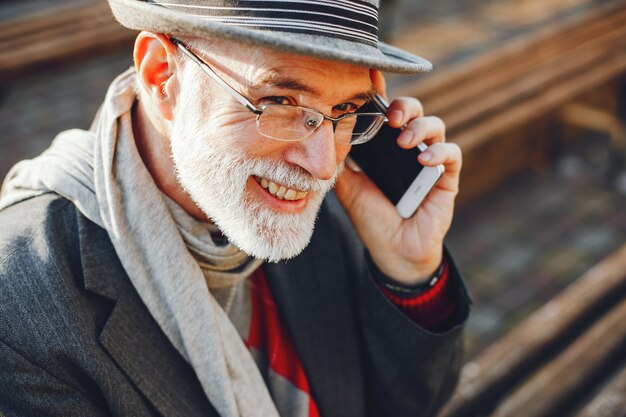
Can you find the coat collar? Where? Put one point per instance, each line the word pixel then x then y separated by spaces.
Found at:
pixel 132 337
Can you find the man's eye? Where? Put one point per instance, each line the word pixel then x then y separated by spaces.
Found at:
pixel 276 100
pixel 346 107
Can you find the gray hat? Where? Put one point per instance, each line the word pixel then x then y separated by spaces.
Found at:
pixel 343 30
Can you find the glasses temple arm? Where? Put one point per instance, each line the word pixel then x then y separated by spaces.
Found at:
pixel 209 71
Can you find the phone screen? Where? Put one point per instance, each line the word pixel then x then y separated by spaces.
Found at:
pixel 390 167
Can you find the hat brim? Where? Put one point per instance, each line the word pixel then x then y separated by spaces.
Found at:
pixel 140 15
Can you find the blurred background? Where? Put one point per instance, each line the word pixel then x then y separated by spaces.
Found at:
pixel 534 93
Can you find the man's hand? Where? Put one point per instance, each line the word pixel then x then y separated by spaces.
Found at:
pixel 407 250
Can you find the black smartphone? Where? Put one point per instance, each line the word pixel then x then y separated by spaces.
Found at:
pixel 396 171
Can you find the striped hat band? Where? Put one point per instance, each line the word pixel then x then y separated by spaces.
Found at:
pixel 351 20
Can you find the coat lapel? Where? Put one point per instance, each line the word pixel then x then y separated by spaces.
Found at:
pixel 132 337
pixel 313 297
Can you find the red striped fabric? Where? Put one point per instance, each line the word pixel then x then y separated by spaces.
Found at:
pixel 432 310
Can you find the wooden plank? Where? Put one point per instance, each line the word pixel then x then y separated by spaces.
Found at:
pixel 483 145
pixel 56 48
pixel 60 33
pixel 53 20
pixel 70 30
pixel 518 49
pixel 53 16
pixel 492 165
pixel 488 23
pixel 485 379
pixel 549 392
pixel 610 401
pixel 554 96
pixel 511 69
pixel 494 99
pixel 518 78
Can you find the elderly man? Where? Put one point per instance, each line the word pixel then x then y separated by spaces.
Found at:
pixel 165 262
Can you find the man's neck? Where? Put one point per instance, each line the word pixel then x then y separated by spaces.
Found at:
pixel 154 149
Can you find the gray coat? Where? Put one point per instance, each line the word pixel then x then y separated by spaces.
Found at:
pixel 76 339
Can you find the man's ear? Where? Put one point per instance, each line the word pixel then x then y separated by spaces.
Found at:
pixel 378 80
pixel 156 70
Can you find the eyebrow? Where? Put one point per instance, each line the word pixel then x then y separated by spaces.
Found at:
pixel 367 95
pixel 285 82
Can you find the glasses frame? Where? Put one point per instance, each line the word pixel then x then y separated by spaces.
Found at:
pixel 258 111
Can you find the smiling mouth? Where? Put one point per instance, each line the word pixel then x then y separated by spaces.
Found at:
pixel 280 191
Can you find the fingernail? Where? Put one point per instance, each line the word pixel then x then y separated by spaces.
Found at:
pixel 405 137
pixel 395 116
pixel 425 156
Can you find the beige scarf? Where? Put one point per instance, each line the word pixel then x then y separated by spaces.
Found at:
pixel 223 265
pixel 102 173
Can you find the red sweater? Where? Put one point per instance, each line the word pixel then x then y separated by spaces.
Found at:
pixel 276 354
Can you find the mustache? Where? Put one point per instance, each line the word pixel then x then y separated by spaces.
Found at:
pixel 293 176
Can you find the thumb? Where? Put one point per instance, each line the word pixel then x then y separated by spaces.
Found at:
pixel 359 195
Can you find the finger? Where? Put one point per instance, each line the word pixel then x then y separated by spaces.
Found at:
pixel 378 80
pixel 449 155
pixel 429 129
pixel 362 199
pixel 402 110
pixel 353 184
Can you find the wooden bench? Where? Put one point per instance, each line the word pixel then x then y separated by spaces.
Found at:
pixel 551 361
pixel 496 104
pixel 59 33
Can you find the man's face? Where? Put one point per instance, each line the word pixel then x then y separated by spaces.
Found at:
pixel 263 194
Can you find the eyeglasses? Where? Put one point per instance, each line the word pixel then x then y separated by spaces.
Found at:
pixel 294 123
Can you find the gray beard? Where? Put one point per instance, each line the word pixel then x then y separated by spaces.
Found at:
pixel 215 175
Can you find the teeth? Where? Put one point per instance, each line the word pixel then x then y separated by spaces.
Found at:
pixel 280 191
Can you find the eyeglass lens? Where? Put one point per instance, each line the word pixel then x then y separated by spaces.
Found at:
pixel 290 123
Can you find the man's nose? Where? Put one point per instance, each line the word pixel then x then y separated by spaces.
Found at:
pixel 320 152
